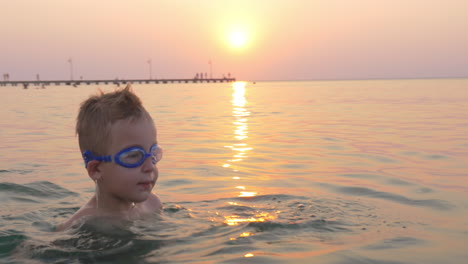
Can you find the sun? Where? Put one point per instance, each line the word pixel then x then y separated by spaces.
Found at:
pixel 238 39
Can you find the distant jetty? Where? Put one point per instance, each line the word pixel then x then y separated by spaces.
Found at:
pixel 75 83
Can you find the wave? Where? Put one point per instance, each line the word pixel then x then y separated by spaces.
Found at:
pixel 40 189
pixel 368 192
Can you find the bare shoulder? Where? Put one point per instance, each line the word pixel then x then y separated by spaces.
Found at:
pixel 83 212
pixel 153 204
pixel 88 209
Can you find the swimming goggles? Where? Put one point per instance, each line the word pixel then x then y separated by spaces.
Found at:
pixel 131 157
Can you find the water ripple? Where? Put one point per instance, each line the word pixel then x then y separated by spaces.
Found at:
pixel 41 189
pixel 362 191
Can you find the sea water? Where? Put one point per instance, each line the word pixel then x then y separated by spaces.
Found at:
pixel 369 171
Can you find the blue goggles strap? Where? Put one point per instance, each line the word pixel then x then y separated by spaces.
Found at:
pixel 88 156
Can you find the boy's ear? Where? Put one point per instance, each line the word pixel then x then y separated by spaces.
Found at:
pixel 94 172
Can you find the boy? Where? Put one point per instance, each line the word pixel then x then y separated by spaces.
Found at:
pixel 117 138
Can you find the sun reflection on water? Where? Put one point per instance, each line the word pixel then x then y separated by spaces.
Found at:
pixel 238 97
pixel 240 133
pixel 247 194
pixel 246 234
pixel 259 217
pixel 240 150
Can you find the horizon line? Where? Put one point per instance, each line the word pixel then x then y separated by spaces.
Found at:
pixel 353 79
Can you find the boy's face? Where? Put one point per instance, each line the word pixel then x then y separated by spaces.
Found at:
pixel 129 184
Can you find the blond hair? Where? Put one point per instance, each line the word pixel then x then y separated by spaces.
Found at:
pixel 99 112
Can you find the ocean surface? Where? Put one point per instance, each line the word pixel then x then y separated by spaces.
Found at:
pixel 270 172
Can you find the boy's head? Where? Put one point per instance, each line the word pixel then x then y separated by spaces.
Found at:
pixel 98 113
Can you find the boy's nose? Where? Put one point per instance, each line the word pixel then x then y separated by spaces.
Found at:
pixel 148 165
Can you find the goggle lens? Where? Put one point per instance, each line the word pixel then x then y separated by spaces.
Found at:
pixel 156 153
pixel 132 157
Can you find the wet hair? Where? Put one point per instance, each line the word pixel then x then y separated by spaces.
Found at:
pixel 99 112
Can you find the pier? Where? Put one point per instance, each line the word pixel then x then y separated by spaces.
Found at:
pixel 75 83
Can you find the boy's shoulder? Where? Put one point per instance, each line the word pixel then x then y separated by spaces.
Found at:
pixel 152 204
pixel 74 219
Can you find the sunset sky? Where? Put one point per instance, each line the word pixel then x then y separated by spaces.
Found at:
pixel 251 39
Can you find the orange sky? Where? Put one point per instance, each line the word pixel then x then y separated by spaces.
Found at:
pixel 284 39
